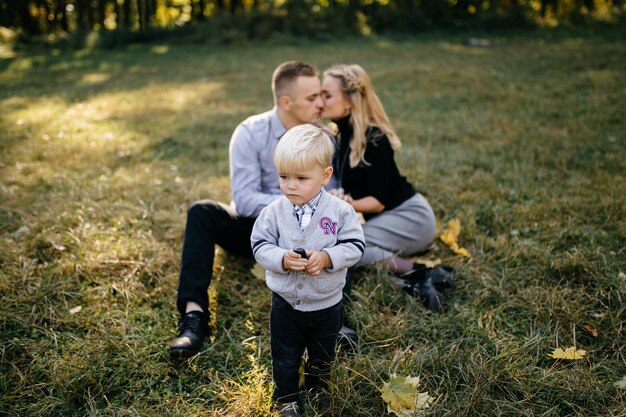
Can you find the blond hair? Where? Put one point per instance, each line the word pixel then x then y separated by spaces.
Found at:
pixel 302 146
pixel 366 110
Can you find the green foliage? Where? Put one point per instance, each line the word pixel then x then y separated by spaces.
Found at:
pixel 102 151
pixel 82 23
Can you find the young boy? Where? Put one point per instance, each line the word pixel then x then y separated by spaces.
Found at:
pixel 306 285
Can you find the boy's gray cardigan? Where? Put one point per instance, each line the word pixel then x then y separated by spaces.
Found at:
pixel 333 228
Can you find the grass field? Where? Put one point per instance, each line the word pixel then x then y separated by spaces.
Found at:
pixel 101 152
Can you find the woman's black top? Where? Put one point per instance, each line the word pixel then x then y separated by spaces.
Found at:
pixel 380 178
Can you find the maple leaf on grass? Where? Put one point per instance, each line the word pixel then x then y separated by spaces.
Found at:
pixel 402 396
pixel 450 237
pixel 570 354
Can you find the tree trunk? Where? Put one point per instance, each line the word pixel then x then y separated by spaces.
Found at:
pixel 60 17
pixel 200 13
pixel 150 12
pixel 92 14
pixel 26 21
pixel 590 4
pixel 118 15
pixel 126 14
pixel 82 18
pixel 101 11
pixel 141 13
pixel 44 20
pixel 8 16
pixel 235 6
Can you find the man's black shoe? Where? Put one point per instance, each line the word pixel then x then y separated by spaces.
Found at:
pixel 348 339
pixel 193 329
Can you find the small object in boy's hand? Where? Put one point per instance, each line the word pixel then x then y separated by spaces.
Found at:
pixel 301 252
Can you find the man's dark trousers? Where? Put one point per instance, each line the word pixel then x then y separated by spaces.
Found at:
pixel 209 223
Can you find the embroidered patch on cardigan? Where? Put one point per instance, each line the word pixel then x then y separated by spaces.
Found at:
pixel 328 226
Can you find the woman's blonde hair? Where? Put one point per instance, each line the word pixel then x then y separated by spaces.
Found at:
pixel 366 110
pixel 302 146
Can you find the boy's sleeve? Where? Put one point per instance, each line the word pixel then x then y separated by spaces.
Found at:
pixel 264 241
pixel 350 241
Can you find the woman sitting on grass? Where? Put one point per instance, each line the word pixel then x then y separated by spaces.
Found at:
pixel 399 220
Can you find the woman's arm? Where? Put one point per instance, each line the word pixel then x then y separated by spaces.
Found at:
pixel 367 204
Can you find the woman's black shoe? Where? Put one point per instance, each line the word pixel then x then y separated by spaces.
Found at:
pixel 442 276
pixel 425 289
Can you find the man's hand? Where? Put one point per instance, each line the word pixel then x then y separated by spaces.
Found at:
pixel 293 261
pixel 317 262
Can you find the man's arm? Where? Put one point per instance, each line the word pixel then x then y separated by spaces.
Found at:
pixel 246 174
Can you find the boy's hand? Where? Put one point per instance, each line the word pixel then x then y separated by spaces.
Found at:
pixel 293 261
pixel 317 262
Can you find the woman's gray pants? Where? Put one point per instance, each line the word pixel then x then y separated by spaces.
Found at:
pixel 402 231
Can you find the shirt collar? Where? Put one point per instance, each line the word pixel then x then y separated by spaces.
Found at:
pixel 312 203
pixel 276 125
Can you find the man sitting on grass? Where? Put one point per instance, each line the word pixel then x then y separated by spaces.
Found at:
pixel 254 183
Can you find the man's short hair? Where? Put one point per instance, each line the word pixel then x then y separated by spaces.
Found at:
pixel 286 73
pixel 302 146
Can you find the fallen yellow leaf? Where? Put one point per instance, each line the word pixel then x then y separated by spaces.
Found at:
pixel 621 383
pixel 428 263
pixel 450 237
pixel 402 396
pixel 571 353
pixel 461 251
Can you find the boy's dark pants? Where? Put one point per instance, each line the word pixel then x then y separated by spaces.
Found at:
pixel 293 331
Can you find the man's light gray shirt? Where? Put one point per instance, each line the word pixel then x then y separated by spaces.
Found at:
pixel 253 176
